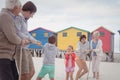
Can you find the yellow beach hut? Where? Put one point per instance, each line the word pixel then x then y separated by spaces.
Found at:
pixel 70 36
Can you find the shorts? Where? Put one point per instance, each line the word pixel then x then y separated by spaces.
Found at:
pixel 27 62
pixel 47 69
pixel 69 69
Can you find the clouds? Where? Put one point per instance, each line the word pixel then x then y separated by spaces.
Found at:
pixel 62 13
pixel 81 7
pixel 80 11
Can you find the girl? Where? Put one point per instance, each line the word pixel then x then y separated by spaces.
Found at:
pixel 83 50
pixel 69 62
pixel 96 49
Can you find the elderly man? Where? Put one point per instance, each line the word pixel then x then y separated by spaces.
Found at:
pixel 9 39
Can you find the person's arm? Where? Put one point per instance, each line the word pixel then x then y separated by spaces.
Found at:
pixel 87 48
pixel 20 28
pixel 66 56
pixel 8 28
pixel 99 47
pixel 32 39
pixel 20 34
pixel 74 56
pixel 78 50
pixel 78 46
pixel 23 32
pixel 43 49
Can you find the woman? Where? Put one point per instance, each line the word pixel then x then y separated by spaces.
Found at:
pixel 96 49
pixel 82 51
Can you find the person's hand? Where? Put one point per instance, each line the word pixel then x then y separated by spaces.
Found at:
pixel 91 50
pixel 86 51
pixel 70 53
pixel 76 58
pixel 38 43
pixel 24 42
pixel 33 41
pixel 27 42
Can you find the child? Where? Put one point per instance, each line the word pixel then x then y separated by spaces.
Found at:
pixel 49 50
pixel 70 62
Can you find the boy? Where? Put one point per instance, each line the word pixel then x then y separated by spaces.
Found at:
pixel 49 50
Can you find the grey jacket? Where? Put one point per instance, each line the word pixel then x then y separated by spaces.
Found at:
pixel 50 51
pixel 8 36
pixel 82 50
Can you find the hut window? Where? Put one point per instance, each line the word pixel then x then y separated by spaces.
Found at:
pixel 34 34
pixel 45 34
pixel 64 34
pixel 79 34
pixel 102 33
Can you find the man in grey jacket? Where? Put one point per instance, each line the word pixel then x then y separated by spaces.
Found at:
pixel 9 39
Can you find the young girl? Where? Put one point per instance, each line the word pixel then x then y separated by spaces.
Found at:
pixel 70 62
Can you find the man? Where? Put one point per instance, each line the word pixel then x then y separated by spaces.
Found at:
pixel 27 68
pixel 9 39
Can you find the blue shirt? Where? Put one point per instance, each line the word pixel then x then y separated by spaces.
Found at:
pixel 94 47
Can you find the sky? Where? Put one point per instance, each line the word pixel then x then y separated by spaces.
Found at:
pixel 57 15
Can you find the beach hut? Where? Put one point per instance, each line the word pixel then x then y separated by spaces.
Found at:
pixel 70 36
pixel 107 38
pixel 40 34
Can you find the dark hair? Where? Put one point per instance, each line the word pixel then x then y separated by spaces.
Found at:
pixel 82 36
pixel 29 6
pixel 52 39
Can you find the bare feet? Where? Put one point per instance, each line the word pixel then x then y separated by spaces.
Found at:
pixel 97 79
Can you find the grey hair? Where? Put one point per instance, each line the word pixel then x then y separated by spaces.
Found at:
pixel 10 4
pixel 96 33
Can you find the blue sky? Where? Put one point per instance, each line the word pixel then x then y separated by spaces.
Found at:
pixel 57 15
